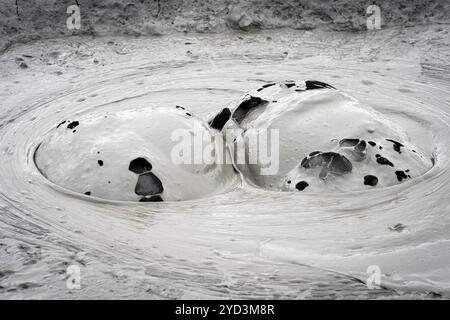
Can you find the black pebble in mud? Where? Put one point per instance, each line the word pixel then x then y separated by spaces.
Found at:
pixel 100 163
pixel 188 114
pixel 300 186
pixel 383 161
pixel 151 199
pixel 397 145
pixel 220 119
pixel 73 125
pixel 139 165
pixel 370 180
pixel 148 184
pixel 312 84
pixel 289 84
pixel 250 103
pixel 180 107
pixel 87 193
pixel 400 175
pixel 373 144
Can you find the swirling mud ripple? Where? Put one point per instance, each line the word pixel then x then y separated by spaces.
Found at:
pixel 249 242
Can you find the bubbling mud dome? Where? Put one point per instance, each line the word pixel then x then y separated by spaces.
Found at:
pixel 128 155
pixel 328 141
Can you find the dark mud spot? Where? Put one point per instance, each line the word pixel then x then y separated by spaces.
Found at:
pixel 73 125
pixel 371 143
pixel 139 166
pixel 34 158
pixel 188 114
pixel 87 193
pixel 300 186
pixel 220 119
pixel 401 175
pixel 28 285
pixel 289 84
pixel 100 163
pixel 247 105
pixel 383 161
pixel 370 180
pixel 312 84
pixel 148 184
pixel 180 107
pixel 358 147
pixel 266 86
pixel 330 162
pixel 359 144
pixel 397 145
pixel 151 199
pixel 348 142
pixel 339 164
pixel 399 227
pixel 59 125
pixel 305 162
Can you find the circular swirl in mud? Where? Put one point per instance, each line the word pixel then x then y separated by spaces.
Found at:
pixel 249 242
